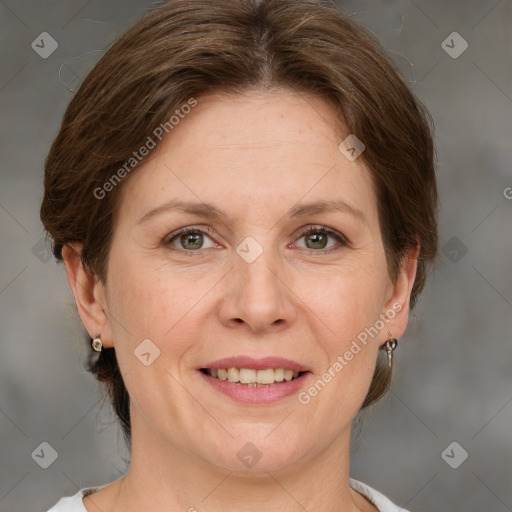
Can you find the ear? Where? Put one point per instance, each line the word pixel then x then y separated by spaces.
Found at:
pixel 397 305
pixel 89 294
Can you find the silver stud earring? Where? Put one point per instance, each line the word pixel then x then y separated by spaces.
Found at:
pixel 390 347
pixel 97 344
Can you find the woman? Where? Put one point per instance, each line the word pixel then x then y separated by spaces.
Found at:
pixel 243 194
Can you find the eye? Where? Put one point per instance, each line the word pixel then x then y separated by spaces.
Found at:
pixel 189 239
pixel 316 238
pixel 192 239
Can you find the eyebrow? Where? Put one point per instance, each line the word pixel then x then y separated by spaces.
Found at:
pixel 299 210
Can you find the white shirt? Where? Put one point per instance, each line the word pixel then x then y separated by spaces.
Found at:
pixel 75 503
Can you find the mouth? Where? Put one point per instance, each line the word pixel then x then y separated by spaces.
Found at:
pixel 255 381
pixel 251 377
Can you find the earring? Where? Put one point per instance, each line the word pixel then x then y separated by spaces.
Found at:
pixel 390 347
pixel 97 344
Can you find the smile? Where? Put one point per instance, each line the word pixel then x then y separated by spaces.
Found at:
pixel 251 377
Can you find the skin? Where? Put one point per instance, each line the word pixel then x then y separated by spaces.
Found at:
pixel 253 156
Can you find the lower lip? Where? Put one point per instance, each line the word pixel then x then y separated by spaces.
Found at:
pixel 254 394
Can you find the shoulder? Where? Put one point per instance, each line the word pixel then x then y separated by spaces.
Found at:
pixel 74 503
pixel 378 499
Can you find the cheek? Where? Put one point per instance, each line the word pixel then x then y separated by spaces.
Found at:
pixel 347 309
pixel 156 302
pixel 347 301
pixel 144 296
pixel 345 373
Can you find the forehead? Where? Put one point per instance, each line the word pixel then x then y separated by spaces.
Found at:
pixel 263 150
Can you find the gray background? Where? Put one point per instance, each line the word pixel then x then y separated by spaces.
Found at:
pixel 453 369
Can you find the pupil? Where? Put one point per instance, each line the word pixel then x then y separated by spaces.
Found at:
pixel 195 240
pixel 318 240
pixel 318 237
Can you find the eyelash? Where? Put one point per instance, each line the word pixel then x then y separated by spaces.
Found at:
pixel 313 230
pixel 309 231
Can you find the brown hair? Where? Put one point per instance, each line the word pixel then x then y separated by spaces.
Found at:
pixel 188 48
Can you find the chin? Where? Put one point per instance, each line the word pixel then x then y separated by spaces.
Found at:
pixel 246 455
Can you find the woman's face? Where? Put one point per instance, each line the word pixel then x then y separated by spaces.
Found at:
pixel 246 287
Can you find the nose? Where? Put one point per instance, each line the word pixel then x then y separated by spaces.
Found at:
pixel 257 297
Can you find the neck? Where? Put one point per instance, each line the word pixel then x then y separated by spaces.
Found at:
pixel 161 477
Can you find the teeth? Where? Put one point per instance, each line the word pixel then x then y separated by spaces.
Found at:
pixel 251 377
pixel 233 375
pixel 247 376
pixel 279 374
pixel 265 376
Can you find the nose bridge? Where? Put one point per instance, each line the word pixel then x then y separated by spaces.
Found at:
pixel 258 267
pixel 261 297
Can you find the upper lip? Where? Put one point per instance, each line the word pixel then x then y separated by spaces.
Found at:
pixel 256 364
